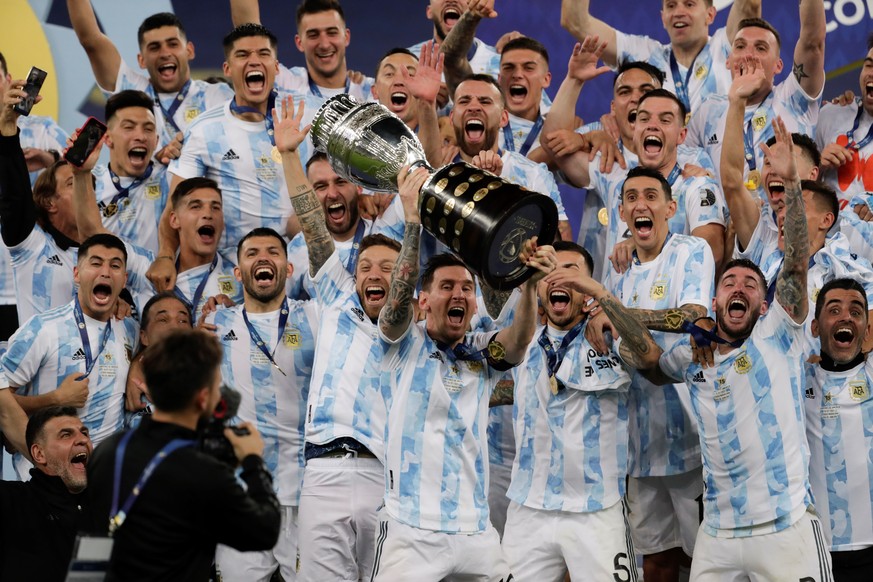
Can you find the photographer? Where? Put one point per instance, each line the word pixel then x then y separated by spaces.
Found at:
pixel 191 502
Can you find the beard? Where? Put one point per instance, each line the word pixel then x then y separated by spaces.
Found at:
pixel 472 150
pixel 745 331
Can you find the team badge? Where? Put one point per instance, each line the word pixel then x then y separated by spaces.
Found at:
pixel 191 114
pixel 859 391
pixel 292 339
pixel 759 121
pixel 153 191
pixel 743 363
pixel 701 72
pixel 658 290
pixel 225 285
pixel 813 296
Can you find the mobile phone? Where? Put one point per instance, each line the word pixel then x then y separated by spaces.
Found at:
pixel 89 136
pixel 34 82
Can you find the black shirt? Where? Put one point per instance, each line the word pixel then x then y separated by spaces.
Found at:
pixel 191 503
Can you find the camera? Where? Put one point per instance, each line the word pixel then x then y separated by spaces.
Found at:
pixel 211 439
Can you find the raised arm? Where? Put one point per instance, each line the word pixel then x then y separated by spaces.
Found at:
pixel 577 20
pixel 162 273
pixel 808 65
pixel 242 11
pixel 425 87
pixel 17 210
pixel 791 289
pixel 88 218
pixel 459 41
pixel 740 10
pixel 516 337
pixel 396 315
pixel 744 210
pixel 307 207
pixel 102 53
pixel 13 421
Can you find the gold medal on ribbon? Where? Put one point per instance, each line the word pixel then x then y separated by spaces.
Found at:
pixel 276 155
pixel 553 385
pixel 603 216
pixel 753 181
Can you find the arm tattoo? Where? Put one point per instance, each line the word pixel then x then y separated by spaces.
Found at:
pixel 797 69
pixel 637 342
pixel 791 289
pixel 494 299
pixel 319 242
pixel 669 320
pixel 502 395
pixel 398 309
pixel 304 203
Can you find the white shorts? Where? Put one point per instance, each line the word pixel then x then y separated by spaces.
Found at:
pixel 798 552
pixel 545 545
pixel 498 483
pixel 665 512
pixel 406 553
pixel 338 505
pixel 260 566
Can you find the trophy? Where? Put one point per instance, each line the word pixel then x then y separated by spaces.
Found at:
pixel 481 217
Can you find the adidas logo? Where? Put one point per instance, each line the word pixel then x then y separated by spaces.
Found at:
pixel 230 155
pixel 229 337
pixel 713 140
pixel 358 312
pixel 436 356
pixel 54 260
pixel 698 377
pixel 79 355
pixel 810 393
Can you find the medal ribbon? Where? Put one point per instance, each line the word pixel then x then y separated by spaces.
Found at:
pixel 262 345
pixel 704 336
pixel 674 175
pixel 125 192
pixel 463 351
pixel 177 102
pixel 509 139
pixel 352 263
pixel 850 135
pixel 636 259
pixel 268 117
pixel 555 358
pixel 86 343
pixel 749 136
pixel 313 88
pixel 116 517
pixel 198 293
pixel 683 84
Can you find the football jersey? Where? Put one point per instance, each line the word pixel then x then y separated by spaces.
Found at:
pixel 707 75
pixel 43 272
pixel 200 96
pixel 839 414
pixel 344 398
pixel 571 447
pixel 436 442
pixel 518 133
pixel 36 131
pixel 219 279
pixel 238 155
pixel 663 435
pixel 533 176
pixel 835 123
pixel 749 410
pixel 273 400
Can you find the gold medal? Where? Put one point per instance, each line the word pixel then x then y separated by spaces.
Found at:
pixel 603 216
pixel 276 155
pixel 553 385
pixel 753 181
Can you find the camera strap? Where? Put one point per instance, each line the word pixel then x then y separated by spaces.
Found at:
pixel 117 517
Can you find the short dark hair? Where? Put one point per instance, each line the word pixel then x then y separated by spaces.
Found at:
pixel 3 64
pixel 318 156
pixel 806 144
pixel 567 245
pixel 102 239
pixel 745 264
pixel 146 315
pixel 259 232
pixel 37 421
pixel 656 73
pixel 244 31
pixel 665 94
pixel 378 240
pixel 159 20
pixel 188 185
pixel 823 196
pixel 394 51
pixel 761 23
pixel 125 99
pixel 484 78
pixel 641 172
pixel 526 43
pixel 845 283
pixel 179 366
pixel 316 6
pixel 438 262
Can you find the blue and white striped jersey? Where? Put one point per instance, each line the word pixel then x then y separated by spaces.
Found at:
pixel 663 435
pixel 201 96
pixel 571 447
pixel 533 176
pixel 220 280
pixel 839 414
pixel 135 217
pixel 238 155
pixel 834 123
pixel 344 398
pixel 749 410
pixel 47 348
pixel 43 272
pixel 273 402
pixel 709 74
pixel 436 442
pixel 41 133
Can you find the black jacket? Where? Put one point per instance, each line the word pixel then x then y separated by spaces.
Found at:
pixel 38 520
pixel 191 503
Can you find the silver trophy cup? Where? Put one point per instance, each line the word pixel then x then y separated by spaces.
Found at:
pixel 481 217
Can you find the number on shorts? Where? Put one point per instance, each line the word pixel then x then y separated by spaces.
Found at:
pixel 622 571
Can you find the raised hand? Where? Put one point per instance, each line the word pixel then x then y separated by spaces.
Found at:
pixel 748 78
pixel 425 83
pixel 583 61
pixel 286 129
pixel 781 154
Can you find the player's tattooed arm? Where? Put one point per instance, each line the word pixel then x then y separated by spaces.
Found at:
pixel 309 212
pixel 458 43
pixel 397 313
pixel 797 69
pixel 669 320
pixel 638 348
pixel 791 290
pixel 494 299
pixel 503 393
